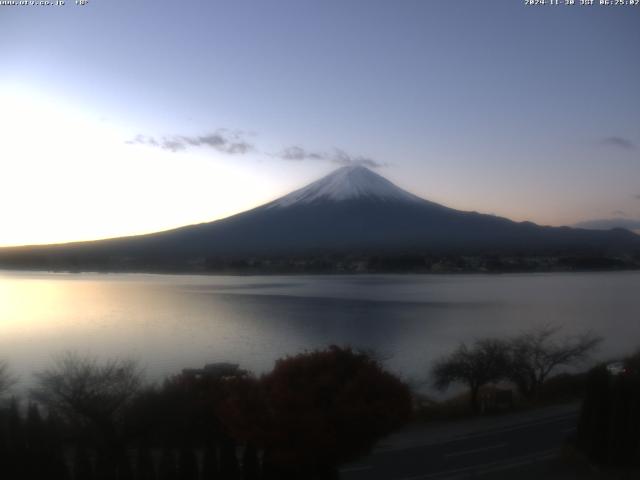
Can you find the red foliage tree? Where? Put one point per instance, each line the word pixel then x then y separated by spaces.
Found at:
pixel 328 407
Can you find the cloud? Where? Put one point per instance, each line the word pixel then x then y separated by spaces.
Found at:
pixel 234 143
pixel 637 197
pixel 609 223
pixel 298 154
pixel 342 158
pixel 618 212
pixel 173 145
pixel 619 142
pixel 338 156
pixel 221 140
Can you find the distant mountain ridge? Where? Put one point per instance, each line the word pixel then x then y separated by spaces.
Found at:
pixel 631 224
pixel 350 211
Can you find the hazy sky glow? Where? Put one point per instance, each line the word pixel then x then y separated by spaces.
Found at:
pixel 126 117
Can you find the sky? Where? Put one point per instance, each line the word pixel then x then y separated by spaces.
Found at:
pixel 126 117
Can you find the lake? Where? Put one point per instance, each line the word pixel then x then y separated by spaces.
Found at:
pixel 170 322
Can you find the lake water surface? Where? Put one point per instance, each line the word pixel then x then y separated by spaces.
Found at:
pixel 170 322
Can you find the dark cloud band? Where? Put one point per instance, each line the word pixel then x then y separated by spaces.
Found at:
pixel 232 143
pixel 619 142
pixel 340 157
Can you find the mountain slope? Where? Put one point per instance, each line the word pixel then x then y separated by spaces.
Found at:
pixel 352 210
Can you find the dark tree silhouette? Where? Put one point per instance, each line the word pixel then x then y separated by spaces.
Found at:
pixel 168 469
pixel 92 396
pixel 210 466
pixel 242 409
pixel 144 463
pixel 82 388
pixel 39 456
pixel 485 361
pixel 633 362
pixel 228 460
pixel 534 355
pixel 124 470
pixel 184 408
pixel 36 437
pixel 29 448
pixel 107 464
pixel 6 379
pixel 82 465
pixel 609 425
pixel 250 463
pixel 15 463
pixel 187 464
pixel 328 407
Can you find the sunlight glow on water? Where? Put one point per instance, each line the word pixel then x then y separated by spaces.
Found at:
pixel 170 322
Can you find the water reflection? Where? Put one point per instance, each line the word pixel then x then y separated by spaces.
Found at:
pixel 170 322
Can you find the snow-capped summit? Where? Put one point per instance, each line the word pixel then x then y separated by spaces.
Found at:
pixel 347 183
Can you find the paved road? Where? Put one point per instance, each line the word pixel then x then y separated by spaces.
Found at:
pixel 527 443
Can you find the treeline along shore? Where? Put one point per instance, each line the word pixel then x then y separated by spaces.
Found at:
pixel 327 263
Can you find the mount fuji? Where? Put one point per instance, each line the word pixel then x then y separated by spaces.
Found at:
pixel 350 211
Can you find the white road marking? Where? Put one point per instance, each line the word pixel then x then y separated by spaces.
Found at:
pixel 476 450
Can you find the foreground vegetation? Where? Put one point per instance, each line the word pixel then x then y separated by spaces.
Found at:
pixel 90 419
pixel 525 361
pixel 313 412
pixel 609 427
pixel 608 430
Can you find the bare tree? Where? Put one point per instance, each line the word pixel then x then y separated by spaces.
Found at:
pixel 484 362
pixel 537 353
pixel 82 389
pixel 6 379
